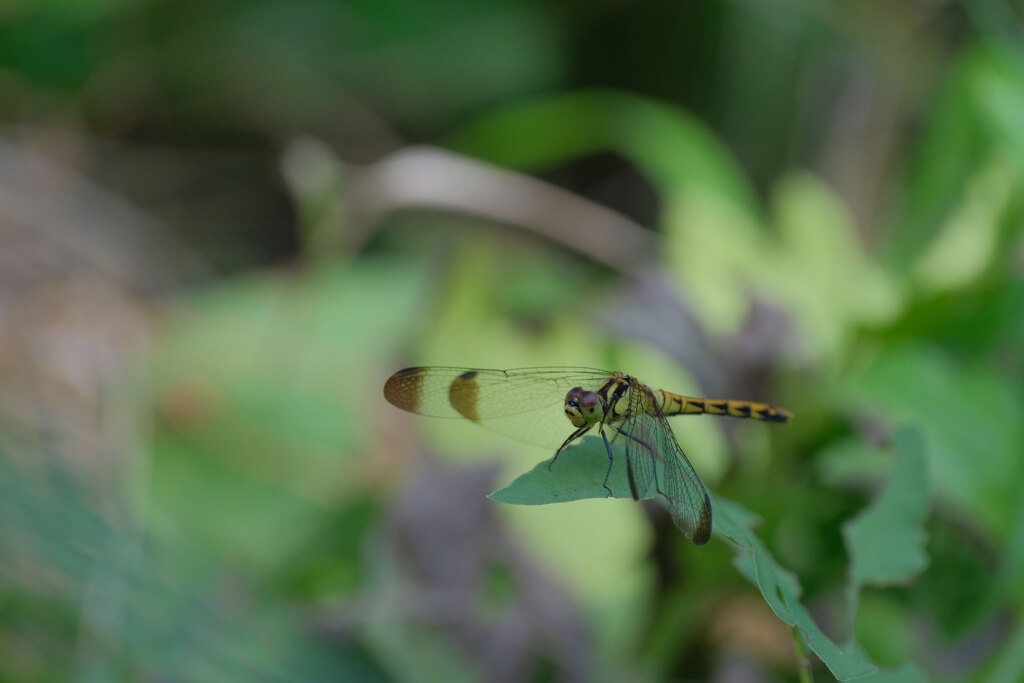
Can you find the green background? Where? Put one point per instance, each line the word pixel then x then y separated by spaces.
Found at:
pixel 224 225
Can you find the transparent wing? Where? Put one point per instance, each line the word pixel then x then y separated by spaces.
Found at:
pixel 648 438
pixel 527 403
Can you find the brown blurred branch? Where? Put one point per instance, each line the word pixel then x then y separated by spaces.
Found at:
pixel 430 177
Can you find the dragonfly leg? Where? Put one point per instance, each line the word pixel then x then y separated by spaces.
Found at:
pixel 629 464
pixel 611 461
pixel 629 436
pixel 565 444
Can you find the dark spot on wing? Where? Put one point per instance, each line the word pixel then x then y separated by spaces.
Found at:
pixel 464 395
pixel 404 389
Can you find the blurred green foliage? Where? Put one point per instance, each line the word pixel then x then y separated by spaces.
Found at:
pixel 204 483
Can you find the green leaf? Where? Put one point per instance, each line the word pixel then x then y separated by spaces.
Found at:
pixel 804 265
pixel 908 673
pixel 579 472
pixel 671 146
pixel 974 120
pixel 781 590
pixel 852 463
pixel 887 540
pixel 969 416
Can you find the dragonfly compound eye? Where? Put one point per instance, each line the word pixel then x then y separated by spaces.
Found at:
pixel 583 407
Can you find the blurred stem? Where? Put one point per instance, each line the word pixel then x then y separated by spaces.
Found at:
pixel 803 664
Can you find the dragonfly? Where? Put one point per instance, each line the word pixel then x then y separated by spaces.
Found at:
pixel 532 404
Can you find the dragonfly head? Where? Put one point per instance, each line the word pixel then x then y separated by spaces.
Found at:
pixel 583 407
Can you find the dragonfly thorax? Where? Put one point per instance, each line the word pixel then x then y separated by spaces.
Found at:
pixel 583 407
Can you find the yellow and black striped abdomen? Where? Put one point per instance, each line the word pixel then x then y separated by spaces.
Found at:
pixel 674 404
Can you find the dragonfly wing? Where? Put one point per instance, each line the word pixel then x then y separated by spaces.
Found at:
pixel 527 404
pixel 649 438
pixel 641 447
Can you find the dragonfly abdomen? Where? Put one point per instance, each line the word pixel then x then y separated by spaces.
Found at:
pixel 674 404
